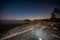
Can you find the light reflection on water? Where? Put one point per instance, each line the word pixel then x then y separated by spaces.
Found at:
pixel 37 33
pixel 40 38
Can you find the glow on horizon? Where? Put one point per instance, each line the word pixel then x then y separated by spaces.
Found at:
pixel 14 18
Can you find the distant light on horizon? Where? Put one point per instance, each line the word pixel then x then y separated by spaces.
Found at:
pixel 15 18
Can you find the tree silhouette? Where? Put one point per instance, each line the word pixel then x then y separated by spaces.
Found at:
pixel 55 13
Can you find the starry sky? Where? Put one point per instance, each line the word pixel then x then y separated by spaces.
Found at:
pixel 27 9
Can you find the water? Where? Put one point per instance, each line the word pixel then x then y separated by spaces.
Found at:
pixel 39 33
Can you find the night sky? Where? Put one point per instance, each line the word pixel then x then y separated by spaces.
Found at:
pixel 27 9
